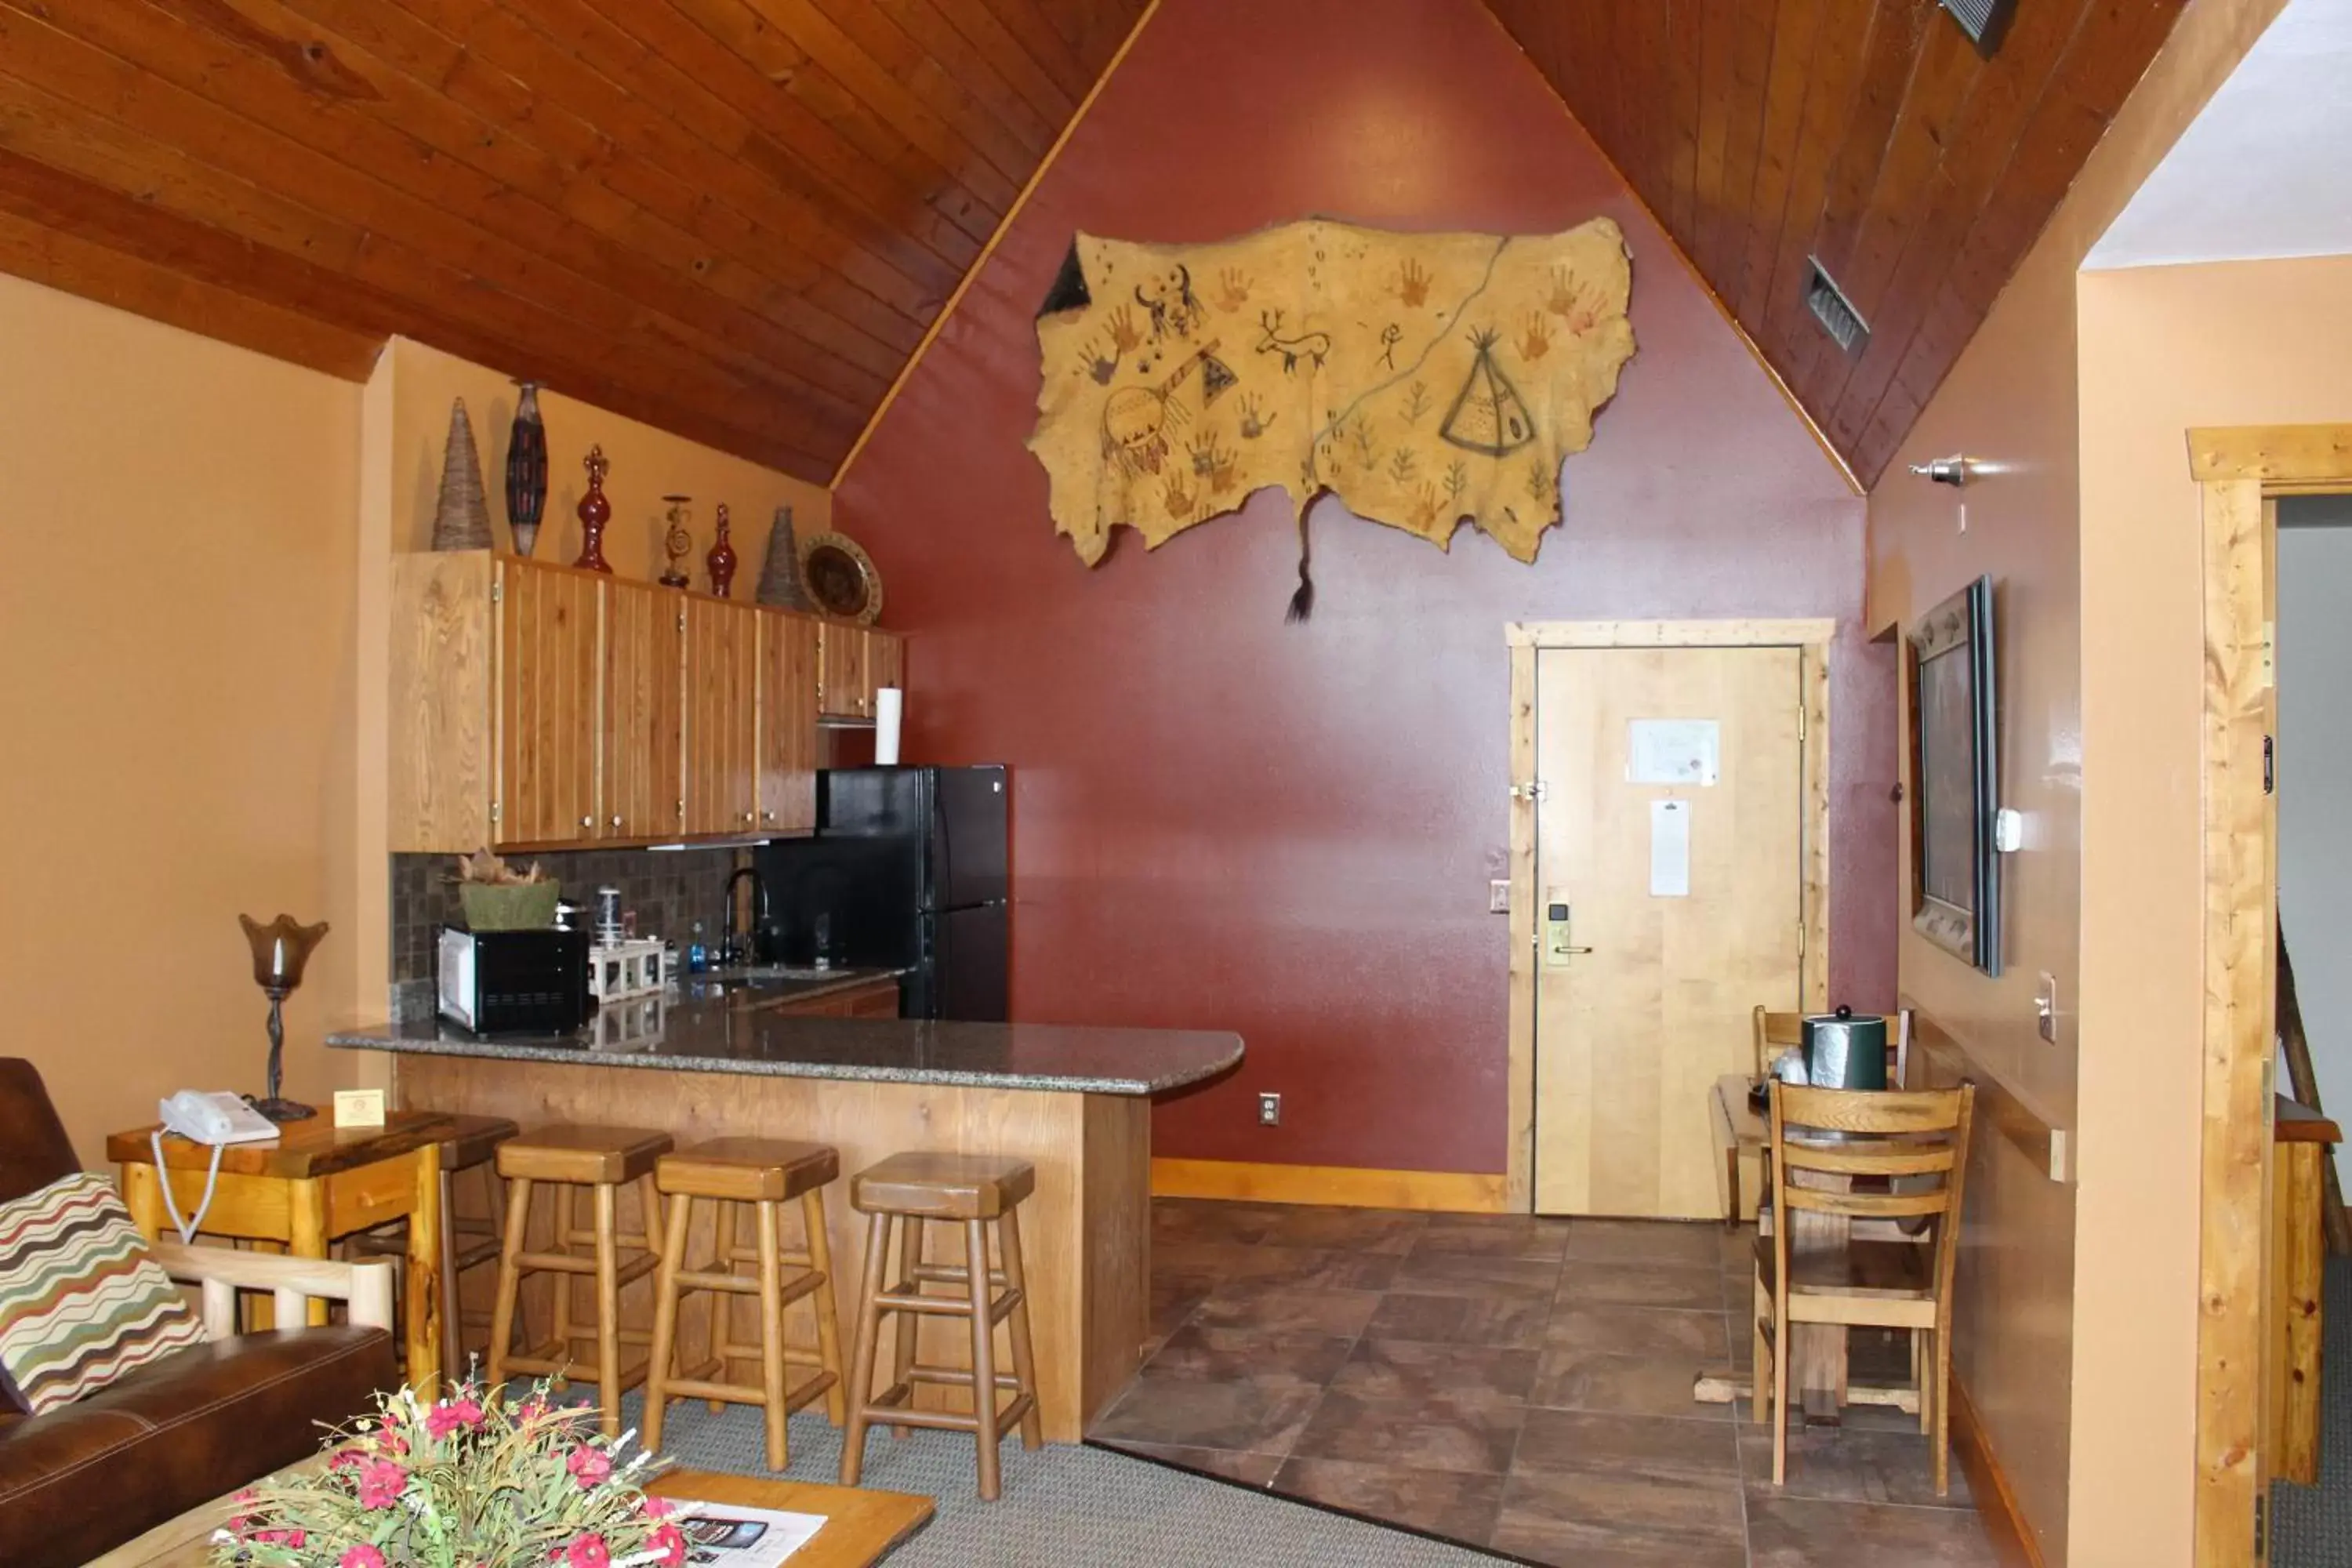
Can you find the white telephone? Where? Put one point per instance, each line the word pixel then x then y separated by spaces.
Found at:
pixel 221 1118
pixel 216 1118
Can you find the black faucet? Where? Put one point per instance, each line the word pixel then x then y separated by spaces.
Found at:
pixel 741 947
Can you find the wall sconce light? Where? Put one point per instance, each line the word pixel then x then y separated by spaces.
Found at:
pixel 1954 470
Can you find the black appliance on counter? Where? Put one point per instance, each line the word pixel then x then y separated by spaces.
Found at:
pixel 909 870
pixel 532 982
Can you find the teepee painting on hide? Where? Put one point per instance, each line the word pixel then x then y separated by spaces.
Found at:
pixel 1426 379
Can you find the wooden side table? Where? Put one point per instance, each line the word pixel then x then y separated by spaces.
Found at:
pixel 315 1182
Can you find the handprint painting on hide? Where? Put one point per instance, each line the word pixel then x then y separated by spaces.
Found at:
pixel 1426 379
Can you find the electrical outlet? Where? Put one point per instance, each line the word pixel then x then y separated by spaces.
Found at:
pixel 1269 1111
pixel 1499 897
pixel 2045 1006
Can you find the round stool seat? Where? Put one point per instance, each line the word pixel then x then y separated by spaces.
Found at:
pixel 942 1186
pixel 747 1170
pixel 582 1155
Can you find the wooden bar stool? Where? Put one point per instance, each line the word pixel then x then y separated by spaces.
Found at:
pixel 600 1159
pixel 970 1190
pixel 472 1145
pixel 762 1174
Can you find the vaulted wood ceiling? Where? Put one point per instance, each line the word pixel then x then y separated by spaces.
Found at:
pixel 1868 133
pixel 733 218
pixel 737 219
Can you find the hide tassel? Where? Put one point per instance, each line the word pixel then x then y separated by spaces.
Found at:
pixel 1302 603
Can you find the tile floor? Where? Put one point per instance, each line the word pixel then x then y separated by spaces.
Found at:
pixel 1518 1384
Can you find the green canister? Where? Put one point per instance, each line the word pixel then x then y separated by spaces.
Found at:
pixel 1844 1051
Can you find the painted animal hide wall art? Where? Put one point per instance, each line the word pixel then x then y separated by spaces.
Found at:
pixel 1424 378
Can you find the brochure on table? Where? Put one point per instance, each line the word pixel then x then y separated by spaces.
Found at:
pixel 721 1535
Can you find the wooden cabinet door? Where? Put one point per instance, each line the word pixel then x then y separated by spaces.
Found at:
pixel 723 687
pixel 443 735
pixel 788 661
pixel 844 691
pixel 644 794
pixel 885 663
pixel 547 696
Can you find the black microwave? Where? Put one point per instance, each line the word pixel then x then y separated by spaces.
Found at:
pixel 494 982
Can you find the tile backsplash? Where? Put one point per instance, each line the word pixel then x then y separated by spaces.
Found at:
pixel 669 890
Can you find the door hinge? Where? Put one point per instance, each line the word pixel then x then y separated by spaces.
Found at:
pixel 2262 1526
pixel 1800 720
pixel 496 809
pixel 1534 789
pixel 2267 660
pixel 2270 767
pixel 497 593
pixel 1802 934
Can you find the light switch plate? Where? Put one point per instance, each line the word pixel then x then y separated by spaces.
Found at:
pixel 2045 1006
pixel 1499 897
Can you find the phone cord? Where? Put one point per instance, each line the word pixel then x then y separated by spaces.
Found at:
pixel 187 1227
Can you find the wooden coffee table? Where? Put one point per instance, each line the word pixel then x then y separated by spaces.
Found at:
pixel 862 1527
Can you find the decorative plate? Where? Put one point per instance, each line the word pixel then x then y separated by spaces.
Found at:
pixel 840 578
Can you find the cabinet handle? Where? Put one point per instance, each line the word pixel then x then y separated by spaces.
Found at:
pixel 747 816
pixel 587 822
pixel 617 822
pixel 767 816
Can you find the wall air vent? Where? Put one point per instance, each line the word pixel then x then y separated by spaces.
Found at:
pixel 1835 312
pixel 1984 21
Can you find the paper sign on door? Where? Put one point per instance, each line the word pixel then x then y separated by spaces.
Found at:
pixel 1670 848
pixel 1672 751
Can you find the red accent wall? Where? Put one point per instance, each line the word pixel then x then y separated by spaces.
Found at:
pixel 1223 821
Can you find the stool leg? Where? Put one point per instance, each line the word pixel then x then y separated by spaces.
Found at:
pixel 608 1312
pixel 666 1297
pixel 771 1332
pixel 453 1338
pixel 910 1257
pixel 1024 1359
pixel 869 1335
pixel 722 1303
pixel 983 1357
pixel 502 1304
pixel 828 1315
pixel 567 1215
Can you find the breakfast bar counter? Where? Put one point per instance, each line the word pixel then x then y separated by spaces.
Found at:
pixel 724 1062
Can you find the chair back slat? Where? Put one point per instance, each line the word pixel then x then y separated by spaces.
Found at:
pixel 1887 1110
pixel 1870 1206
pixel 1876 1158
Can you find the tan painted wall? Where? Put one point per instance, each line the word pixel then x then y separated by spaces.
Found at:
pixel 2077 1319
pixel 646 465
pixel 176 625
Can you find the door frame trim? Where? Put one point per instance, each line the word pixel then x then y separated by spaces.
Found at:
pixel 2240 472
pixel 1525 639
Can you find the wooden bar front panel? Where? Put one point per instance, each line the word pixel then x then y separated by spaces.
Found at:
pixel 1085 1232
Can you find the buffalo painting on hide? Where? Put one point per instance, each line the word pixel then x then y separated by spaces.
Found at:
pixel 1424 378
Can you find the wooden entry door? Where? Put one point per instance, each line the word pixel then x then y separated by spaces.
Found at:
pixel 1644 989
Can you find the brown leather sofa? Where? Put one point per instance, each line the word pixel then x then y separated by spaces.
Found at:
pixel 82 1480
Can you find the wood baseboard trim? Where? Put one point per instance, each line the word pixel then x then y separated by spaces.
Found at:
pixel 1346 1186
pixel 2013 1540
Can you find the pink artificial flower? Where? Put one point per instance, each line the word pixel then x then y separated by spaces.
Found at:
pixel 530 1409
pixel 589 1467
pixel 381 1481
pixel 359 1556
pixel 670 1542
pixel 445 1417
pixel 588 1551
pixel 654 1506
pixel 291 1539
pixel 346 1457
pixel 239 1521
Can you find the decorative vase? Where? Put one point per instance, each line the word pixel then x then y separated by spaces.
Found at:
pixel 595 511
pixel 677 544
pixel 461 516
pixel 526 469
pixel 721 559
pixel 780 575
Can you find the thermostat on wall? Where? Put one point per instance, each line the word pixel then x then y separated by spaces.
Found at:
pixel 2008 830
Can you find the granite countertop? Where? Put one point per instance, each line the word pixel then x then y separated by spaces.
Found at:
pixel 723 1027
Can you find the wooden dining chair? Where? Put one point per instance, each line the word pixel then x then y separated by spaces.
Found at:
pixel 1836 1153
pixel 1776 1032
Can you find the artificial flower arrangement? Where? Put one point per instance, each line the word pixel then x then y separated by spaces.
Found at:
pixel 474 1482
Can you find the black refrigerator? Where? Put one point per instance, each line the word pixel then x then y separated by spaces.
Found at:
pixel 907 870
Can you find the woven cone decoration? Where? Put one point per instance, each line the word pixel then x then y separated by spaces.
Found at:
pixel 461 518
pixel 780 573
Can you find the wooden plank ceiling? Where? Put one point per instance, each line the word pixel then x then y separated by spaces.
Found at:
pixel 1868 133
pixel 730 219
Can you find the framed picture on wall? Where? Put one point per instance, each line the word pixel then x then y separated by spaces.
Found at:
pixel 1954 796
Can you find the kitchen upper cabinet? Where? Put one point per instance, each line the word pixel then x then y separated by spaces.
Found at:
pixel 855 662
pixel 788 662
pixel 547 692
pixel 722 721
pixel 644 723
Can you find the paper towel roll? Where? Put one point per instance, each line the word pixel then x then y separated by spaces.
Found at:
pixel 890 707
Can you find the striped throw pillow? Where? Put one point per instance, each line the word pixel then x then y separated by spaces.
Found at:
pixel 81 1301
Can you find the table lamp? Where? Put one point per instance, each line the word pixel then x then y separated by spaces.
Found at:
pixel 281 949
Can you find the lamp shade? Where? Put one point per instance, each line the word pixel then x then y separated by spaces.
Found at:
pixel 281 949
